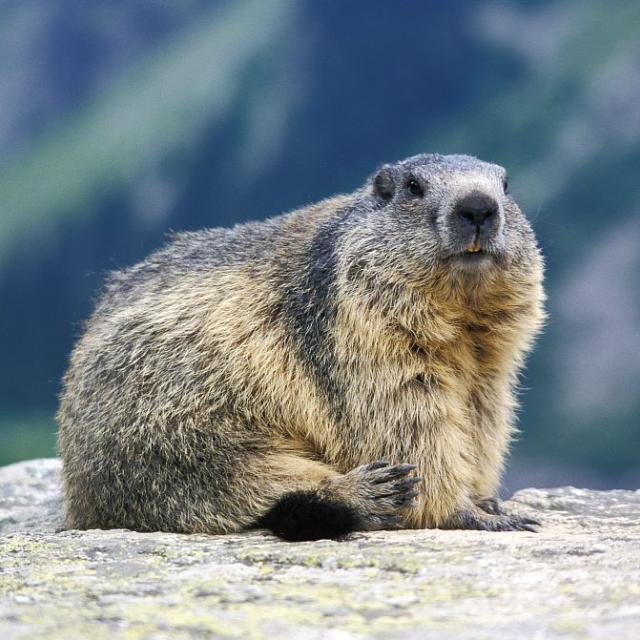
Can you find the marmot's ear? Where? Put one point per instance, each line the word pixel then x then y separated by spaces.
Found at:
pixel 384 183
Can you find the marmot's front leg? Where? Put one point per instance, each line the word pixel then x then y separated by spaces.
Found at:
pixel 372 496
pixel 379 491
pixel 493 507
pixel 487 514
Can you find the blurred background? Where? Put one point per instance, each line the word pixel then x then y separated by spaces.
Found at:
pixel 123 119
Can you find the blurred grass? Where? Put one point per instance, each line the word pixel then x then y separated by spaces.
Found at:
pixel 24 436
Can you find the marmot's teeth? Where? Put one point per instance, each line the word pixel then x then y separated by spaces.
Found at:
pixel 474 247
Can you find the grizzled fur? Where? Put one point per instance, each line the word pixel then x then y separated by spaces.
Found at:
pixel 283 373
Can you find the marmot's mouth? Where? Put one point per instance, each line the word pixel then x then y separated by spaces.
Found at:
pixel 474 247
pixel 474 255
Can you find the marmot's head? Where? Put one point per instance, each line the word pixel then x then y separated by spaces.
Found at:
pixel 447 214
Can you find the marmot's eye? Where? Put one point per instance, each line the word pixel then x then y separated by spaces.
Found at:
pixel 505 185
pixel 414 187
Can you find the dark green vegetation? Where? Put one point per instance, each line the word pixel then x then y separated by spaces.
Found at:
pixel 124 120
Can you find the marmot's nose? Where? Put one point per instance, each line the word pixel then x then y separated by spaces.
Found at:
pixel 476 207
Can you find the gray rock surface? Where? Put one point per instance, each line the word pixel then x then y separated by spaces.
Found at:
pixel 579 577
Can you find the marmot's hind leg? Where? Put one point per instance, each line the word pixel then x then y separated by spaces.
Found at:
pixel 202 492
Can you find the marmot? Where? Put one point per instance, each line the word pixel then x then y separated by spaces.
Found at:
pixel 351 365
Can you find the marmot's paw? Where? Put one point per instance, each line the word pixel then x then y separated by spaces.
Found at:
pixel 493 507
pixel 469 519
pixel 380 492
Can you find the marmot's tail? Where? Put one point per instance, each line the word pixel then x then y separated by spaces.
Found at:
pixel 304 515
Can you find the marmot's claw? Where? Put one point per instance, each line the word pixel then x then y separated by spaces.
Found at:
pixel 400 487
pixel 388 481
pixel 487 522
pixel 491 506
pixel 511 523
pixel 526 521
pixel 382 492
pixel 382 475
pixel 406 498
pixel 378 464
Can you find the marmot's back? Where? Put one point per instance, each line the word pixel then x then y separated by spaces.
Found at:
pixel 254 375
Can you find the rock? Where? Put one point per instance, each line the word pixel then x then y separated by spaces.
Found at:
pixel 30 498
pixel 579 577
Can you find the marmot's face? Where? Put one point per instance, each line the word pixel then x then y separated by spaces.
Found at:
pixel 454 211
